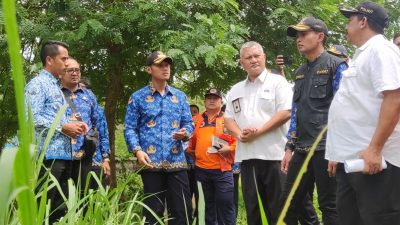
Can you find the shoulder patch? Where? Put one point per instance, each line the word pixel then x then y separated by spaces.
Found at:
pixel 300 76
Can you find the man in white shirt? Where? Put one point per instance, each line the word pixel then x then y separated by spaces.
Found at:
pixel 256 113
pixel 363 123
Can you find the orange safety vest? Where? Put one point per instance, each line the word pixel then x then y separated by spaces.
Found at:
pixel 226 160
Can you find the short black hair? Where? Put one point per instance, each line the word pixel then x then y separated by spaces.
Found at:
pixel 396 35
pixel 50 48
pixel 195 106
pixel 86 81
pixel 372 24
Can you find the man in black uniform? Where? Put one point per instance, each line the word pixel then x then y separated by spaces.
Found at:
pixel 316 82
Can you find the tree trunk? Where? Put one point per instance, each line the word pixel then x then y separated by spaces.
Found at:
pixel 114 91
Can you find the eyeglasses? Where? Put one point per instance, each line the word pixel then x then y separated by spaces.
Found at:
pixel 72 70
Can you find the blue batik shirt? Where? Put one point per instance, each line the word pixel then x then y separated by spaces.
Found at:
pixel 86 105
pixel 335 86
pixel 151 120
pixel 43 94
pixel 103 149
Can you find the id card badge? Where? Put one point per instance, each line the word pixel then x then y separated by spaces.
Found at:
pixel 236 106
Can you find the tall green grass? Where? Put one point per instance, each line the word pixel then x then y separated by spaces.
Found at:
pixel 22 187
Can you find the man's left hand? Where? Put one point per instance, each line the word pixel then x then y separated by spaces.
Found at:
pixel 180 134
pixel 372 160
pixel 106 168
pixel 225 149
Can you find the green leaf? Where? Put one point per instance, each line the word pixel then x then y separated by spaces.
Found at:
pixel 96 25
pixel 6 178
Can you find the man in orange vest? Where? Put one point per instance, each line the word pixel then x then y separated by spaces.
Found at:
pixel 214 153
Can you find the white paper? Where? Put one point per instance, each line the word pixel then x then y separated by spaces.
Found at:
pixel 357 165
pixel 217 142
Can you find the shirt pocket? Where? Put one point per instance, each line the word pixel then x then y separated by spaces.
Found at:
pixel 267 101
pixel 319 88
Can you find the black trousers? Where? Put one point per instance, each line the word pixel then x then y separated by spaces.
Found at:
pixel 266 175
pixel 193 189
pixel 236 192
pixel 169 187
pixel 326 188
pixel 79 173
pixel 61 170
pixel 369 199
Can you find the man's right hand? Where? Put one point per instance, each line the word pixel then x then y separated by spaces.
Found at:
pixel 144 159
pixel 332 168
pixel 73 129
pixel 285 161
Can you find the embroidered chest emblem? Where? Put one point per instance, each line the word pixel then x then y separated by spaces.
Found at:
pixel 322 72
pixel 149 99
pixel 175 124
pixel 151 123
pixel 151 149
pixel 174 99
pixel 175 149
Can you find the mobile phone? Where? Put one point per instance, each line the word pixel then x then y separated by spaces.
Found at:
pixel 287 60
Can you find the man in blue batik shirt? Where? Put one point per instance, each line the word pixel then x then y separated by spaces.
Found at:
pixel 101 158
pixel 83 107
pixel 44 97
pixel 316 82
pixel 157 120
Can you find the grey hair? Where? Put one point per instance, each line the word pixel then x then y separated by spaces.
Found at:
pixel 250 44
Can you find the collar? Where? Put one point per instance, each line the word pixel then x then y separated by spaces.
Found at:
pixel 370 42
pixel 49 75
pixel 168 89
pixel 260 78
pixel 317 59
pixel 205 116
pixel 79 89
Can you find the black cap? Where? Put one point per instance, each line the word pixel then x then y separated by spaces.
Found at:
pixel 213 91
pixel 338 50
pixel 157 57
pixel 307 24
pixel 371 10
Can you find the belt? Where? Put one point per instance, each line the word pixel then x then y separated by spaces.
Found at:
pixel 305 150
pixel 302 150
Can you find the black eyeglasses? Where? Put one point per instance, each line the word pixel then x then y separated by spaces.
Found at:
pixel 72 70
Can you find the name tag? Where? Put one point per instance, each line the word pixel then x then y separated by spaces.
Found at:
pixel 236 106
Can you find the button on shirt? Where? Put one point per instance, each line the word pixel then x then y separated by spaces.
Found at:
pixel 252 104
pixel 150 122
pixel 354 112
pixel 43 94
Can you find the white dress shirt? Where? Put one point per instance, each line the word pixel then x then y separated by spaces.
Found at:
pixel 251 105
pixel 354 112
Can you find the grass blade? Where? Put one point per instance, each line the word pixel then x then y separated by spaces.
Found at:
pixel 302 171
pixel 27 207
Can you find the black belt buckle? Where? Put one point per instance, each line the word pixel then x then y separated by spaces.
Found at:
pixel 303 150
